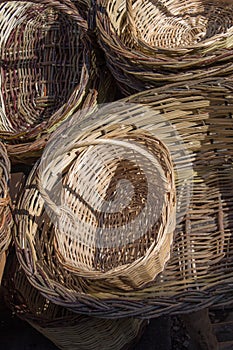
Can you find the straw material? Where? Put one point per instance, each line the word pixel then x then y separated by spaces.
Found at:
pixel 5 201
pixel 101 89
pixel 45 69
pixel 152 43
pixel 68 331
pixel 200 270
pixel 119 248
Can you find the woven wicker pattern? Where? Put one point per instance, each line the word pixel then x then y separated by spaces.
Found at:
pixel 95 247
pixel 5 202
pixel 199 272
pixel 67 330
pixel 45 68
pixel 151 43
pixel 167 24
pixel 101 90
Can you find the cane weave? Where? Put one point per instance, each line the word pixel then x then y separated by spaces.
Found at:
pixel 67 330
pixel 199 272
pixel 155 42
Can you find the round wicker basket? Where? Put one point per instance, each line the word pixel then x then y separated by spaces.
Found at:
pixel 46 70
pixel 68 331
pixel 152 43
pixel 200 269
pixel 101 89
pixel 115 213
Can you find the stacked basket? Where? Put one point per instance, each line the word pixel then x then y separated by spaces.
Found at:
pixel 153 43
pixel 44 80
pixel 63 226
pixel 128 210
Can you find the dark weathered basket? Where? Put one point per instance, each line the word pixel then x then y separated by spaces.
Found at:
pixel 101 89
pixel 200 270
pixel 153 43
pixel 65 329
pixel 47 65
pixel 6 220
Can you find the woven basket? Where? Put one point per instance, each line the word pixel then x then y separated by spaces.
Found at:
pixel 122 245
pixel 5 201
pixel 200 270
pixel 101 89
pixel 152 43
pixel 46 70
pixel 65 329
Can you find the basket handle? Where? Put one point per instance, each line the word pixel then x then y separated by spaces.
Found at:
pixel 58 210
pixel 66 7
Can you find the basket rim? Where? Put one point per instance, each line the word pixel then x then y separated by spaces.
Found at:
pixel 36 131
pixel 142 303
pixel 143 51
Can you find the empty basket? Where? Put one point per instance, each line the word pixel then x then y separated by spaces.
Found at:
pixel 195 125
pixel 153 43
pixel 118 185
pixel 45 70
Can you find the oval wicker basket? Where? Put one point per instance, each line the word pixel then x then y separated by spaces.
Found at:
pixel 68 331
pixel 45 70
pixel 101 89
pixel 200 270
pixel 153 43
pixel 6 219
pixel 119 190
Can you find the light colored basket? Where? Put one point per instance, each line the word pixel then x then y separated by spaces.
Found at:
pixel 199 272
pixel 6 219
pixel 46 69
pixel 125 247
pixel 153 43
pixel 68 331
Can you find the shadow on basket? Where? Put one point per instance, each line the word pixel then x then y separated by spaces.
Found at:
pixel 48 70
pixel 153 43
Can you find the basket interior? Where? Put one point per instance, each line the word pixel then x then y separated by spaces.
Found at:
pixel 172 24
pixel 41 59
pixel 119 200
pixel 203 244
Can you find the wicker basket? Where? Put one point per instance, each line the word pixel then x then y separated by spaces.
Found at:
pixel 101 89
pixel 200 270
pixel 47 65
pixel 118 238
pixel 65 329
pixel 153 43
pixel 5 201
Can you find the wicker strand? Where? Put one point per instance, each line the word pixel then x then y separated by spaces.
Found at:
pixel 153 43
pixel 199 271
pixel 67 8
pixel 68 331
